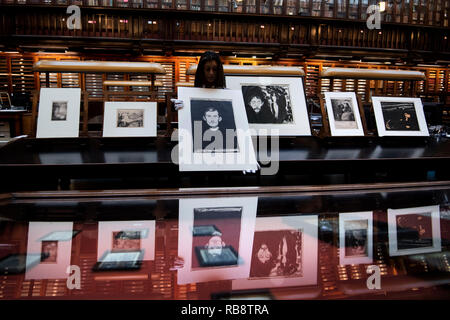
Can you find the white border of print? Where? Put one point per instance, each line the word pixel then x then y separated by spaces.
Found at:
pixel 309 224
pixel 106 229
pixel 110 128
pixel 245 159
pixel 435 226
pixel 69 128
pixel 352 216
pixel 185 239
pixel 381 127
pixel 43 270
pixel 300 127
pixel 343 132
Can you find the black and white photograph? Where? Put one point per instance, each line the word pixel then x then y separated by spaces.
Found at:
pixel 399 116
pixel 214 126
pixel 267 104
pixel 220 248
pixel 59 110
pixel 213 131
pixel 275 105
pixel 130 118
pixel 343 114
pixel 355 237
pixel 215 237
pixel 414 230
pixel 277 253
pixel 284 253
pixel 124 236
pixel 58 113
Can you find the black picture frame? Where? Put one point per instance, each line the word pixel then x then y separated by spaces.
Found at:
pixel 118 265
pixel 228 257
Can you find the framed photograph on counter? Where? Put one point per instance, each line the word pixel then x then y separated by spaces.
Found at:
pixel 213 131
pixel 397 116
pixel 130 119
pixel 343 114
pixel 59 113
pixel 274 105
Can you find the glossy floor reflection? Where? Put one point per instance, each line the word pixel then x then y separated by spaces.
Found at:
pixel 285 246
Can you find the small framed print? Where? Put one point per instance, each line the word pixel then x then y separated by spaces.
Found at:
pixel 213 255
pixel 414 230
pixel 55 254
pixel 343 114
pixel 130 119
pixel 213 131
pixel 119 260
pixel 356 238
pixel 59 113
pixel 284 253
pixel 274 105
pixel 397 116
pixel 122 236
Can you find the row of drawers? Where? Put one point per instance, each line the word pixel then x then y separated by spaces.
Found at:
pixel 5 130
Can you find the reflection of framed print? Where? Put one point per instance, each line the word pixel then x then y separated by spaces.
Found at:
pixel 284 253
pixel 18 263
pixel 50 158
pixel 60 235
pixel 414 230
pixel 119 260
pixel 355 238
pixel 55 254
pixel 343 114
pixel 206 231
pixel 121 236
pixel 59 113
pixel 397 116
pixel 124 156
pixel 273 103
pixel 130 119
pixel 216 256
pixel 213 131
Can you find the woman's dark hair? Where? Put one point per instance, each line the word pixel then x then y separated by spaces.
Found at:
pixel 200 73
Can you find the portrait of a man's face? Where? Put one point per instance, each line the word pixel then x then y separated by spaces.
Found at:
pixel 214 127
pixel 59 110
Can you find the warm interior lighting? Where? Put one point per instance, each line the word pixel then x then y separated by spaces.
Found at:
pixel 382 6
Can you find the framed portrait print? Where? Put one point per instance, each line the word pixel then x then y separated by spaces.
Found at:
pixel 59 113
pixel 397 116
pixel 343 114
pixel 355 238
pixel 125 236
pixel 52 241
pixel 274 105
pixel 213 131
pixel 414 230
pixel 215 238
pixel 284 253
pixel 130 119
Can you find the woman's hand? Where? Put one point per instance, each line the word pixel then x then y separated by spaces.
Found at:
pixel 178 104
